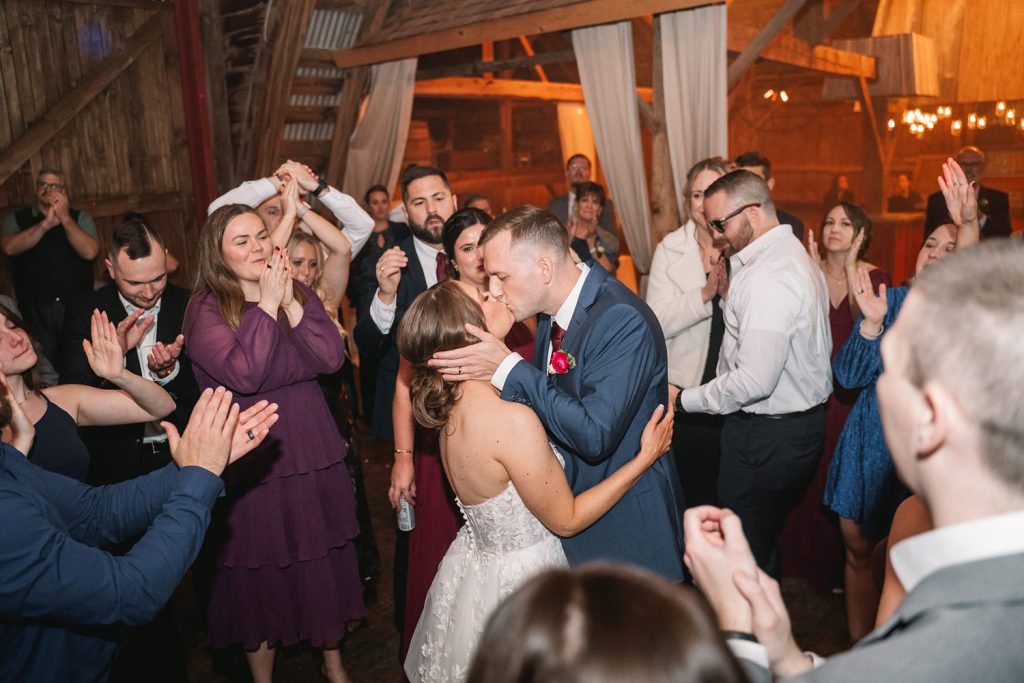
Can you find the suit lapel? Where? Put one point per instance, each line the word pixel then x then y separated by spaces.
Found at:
pixel 413 272
pixel 542 340
pixel 592 286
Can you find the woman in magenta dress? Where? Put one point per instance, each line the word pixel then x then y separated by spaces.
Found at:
pixel 284 562
pixel 437 518
pixel 812 547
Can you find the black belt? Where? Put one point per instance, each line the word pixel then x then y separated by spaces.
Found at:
pixel 742 415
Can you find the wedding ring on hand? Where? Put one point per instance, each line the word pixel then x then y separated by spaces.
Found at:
pixel 860 291
pixel 248 433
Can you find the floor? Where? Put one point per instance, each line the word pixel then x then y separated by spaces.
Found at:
pixel 370 654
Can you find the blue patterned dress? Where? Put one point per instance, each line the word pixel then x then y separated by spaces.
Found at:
pixel 862 484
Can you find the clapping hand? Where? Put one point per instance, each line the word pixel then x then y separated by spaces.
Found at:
pixel 872 306
pixel 303 174
pixel 275 282
pixel 389 270
pixel 23 432
pixel 216 434
pixel 770 623
pixel 812 247
pixel 715 550
pixel 163 357
pixel 132 329
pixel 104 353
pixel 60 205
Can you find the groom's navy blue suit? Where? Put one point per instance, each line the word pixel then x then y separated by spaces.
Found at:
pixel 595 415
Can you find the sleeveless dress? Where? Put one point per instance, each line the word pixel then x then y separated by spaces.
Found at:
pixel 57 446
pixel 501 546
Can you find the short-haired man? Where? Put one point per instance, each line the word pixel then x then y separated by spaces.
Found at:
pixel 479 201
pixel 51 247
pixel 993 205
pixel 774 372
pixel 148 313
pixel 759 164
pixel 949 401
pixel 578 170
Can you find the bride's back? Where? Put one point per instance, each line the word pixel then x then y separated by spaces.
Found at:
pixel 477 434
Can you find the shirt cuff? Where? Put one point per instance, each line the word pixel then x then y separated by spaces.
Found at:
pixel 691 401
pixel 755 653
pixel 201 484
pixel 501 374
pixel 382 314
pixel 164 381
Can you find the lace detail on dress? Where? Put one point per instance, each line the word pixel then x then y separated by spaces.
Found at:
pixel 501 546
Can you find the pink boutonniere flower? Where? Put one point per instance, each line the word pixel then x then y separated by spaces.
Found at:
pixel 561 363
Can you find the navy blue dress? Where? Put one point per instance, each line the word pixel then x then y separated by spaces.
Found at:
pixel 58 447
pixel 862 484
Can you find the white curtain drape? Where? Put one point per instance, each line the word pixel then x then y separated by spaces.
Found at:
pixel 604 56
pixel 693 57
pixel 377 144
pixel 574 130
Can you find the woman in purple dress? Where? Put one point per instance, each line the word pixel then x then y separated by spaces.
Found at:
pixel 284 562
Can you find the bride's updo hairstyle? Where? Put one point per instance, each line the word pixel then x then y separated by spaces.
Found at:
pixel 436 321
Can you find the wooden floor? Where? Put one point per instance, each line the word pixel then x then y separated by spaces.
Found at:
pixel 371 653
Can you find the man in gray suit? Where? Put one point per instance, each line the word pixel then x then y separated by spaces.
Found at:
pixel 578 170
pixel 950 400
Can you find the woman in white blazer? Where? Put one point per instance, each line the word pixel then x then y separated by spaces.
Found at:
pixel 687 281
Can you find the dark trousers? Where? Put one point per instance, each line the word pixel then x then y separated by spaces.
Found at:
pixel 767 462
pixel 697 450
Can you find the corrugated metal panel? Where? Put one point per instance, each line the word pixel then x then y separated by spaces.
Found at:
pixel 320 71
pixel 331 29
pixel 309 131
pixel 315 100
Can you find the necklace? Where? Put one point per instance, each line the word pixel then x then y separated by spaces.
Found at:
pixel 841 281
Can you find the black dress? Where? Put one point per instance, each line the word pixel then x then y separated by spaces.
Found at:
pixel 57 447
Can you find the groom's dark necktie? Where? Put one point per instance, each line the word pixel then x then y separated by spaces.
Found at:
pixel 557 335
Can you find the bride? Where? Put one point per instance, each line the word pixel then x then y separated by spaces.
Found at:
pixel 508 482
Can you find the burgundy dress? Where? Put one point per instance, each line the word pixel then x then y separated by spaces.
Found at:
pixel 283 559
pixel 437 517
pixel 812 547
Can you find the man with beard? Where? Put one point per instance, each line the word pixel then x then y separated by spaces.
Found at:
pixel 774 373
pixel 51 247
pixel 401 274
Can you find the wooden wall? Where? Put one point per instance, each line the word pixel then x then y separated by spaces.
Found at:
pixel 126 150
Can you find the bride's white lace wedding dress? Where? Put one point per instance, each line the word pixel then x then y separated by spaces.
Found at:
pixel 501 546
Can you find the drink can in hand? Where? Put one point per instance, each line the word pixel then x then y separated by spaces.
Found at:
pixel 406 515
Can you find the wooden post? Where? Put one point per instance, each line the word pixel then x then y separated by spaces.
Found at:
pixel 664 209
pixel 217 93
pixel 876 161
pixel 193 97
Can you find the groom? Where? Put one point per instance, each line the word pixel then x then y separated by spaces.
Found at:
pixel 595 410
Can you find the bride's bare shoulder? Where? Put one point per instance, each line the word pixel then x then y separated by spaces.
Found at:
pixel 485 410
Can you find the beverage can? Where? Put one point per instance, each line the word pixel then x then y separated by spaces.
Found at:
pixel 406 515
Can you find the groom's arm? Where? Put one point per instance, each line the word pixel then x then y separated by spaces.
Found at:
pixel 619 368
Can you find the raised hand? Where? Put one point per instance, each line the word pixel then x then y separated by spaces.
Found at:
pixel 389 270
pixel 771 624
pixel 254 424
pixel 51 220
pixel 23 432
pixel 273 282
pixel 303 174
pixel 104 353
pixel 852 256
pixel 707 293
pixel 208 436
pixel 723 277
pixel 163 357
pixel 290 196
pixel 60 205
pixel 657 434
pixel 961 201
pixel 873 306
pixel 132 329
pixel 812 247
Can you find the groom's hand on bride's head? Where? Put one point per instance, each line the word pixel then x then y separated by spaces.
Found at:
pixel 476 361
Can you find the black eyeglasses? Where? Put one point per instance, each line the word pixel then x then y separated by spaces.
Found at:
pixel 718 224
pixel 42 184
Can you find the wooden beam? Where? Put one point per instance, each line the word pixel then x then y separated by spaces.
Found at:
pixel 480 67
pixel 766 35
pixel 832 21
pixel 103 207
pixel 211 27
pixel 136 4
pixel 487 56
pixel 528 48
pixel 471 88
pixel 479 29
pixel 795 52
pixel 42 131
pixel 288 37
pixel 309 114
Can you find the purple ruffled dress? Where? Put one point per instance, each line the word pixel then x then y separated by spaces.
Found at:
pixel 283 559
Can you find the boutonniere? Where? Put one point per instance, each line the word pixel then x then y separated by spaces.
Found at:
pixel 561 363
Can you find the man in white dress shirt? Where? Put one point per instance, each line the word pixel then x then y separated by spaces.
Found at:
pixel 774 372
pixel 950 401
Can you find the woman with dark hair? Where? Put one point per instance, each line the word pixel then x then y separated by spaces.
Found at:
pixel 603 624
pixel 284 562
pixel 685 290
pixel 437 518
pixel 811 548
pixel 584 230
pixel 861 486
pixel 58 411
pixel 509 483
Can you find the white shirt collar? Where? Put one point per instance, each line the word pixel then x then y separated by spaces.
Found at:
pixel 920 556
pixel 130 308
pixel 565 313
pixel 747 253
pixel 427 255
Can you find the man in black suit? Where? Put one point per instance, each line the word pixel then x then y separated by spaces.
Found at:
pixel 993 205
pixel 759 165
pixel 148 313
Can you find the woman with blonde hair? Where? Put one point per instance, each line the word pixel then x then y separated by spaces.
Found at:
pixel 284 563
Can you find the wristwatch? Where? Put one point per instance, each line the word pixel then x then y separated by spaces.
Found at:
pixel 679 403
pixel 321 187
